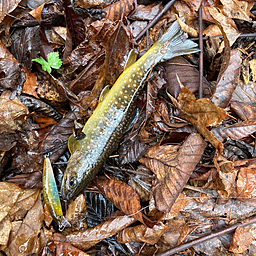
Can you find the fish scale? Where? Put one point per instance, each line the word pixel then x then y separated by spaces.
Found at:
pixel 105 127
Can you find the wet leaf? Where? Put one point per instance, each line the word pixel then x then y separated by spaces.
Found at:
pixel 26 46
pixel 246 185
pixel 10 112
pixel 7 7
pixel 187 74
pixel 8 197
pixel 241 241
pixel 75 24
pixel 37 12
pixel 120 9
pixel 66 249
pixel 86 4
pixel 243 110
pixel 30 84
pixel 172 166
pixel 141 233
pixel 56 141
pixel 131 148
pixel 77 213
pixel 228 81
pixel 201 113
pixel 26 240
pixel 12 76
pixel 236 131
pixel 124 197
pixel 86 239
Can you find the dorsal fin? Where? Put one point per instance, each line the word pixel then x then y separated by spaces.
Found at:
pixel 131 59
pixel 104 93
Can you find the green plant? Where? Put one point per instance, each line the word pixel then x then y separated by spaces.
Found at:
pixel 53 61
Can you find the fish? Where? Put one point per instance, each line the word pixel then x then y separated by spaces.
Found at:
pixel 51 195
pixel 106 126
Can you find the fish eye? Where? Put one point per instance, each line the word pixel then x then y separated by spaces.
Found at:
pixel 72 182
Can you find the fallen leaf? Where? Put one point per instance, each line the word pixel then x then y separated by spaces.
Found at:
pixel 124 197
pixel 241 241
pixel 187 29
pixel 12 75
pixel 7 7
pixel 30 84
pixel 119 9
pixel 245 93
pixel 8 197
pixel 228 81
pixel 172 166
pixel 236 9
pixel 246 111
pixel 236 131
pixel 26 240
pixel 141 233
pixel 201 113
pixel 37 12
pixel 188 75
pixel 66 249
pixel 77 213
pixel 5 229
pixel 10 112
pixel 88 238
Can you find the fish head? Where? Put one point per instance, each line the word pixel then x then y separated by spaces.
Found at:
pixel 73 181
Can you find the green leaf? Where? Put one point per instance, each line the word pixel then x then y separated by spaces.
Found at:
pixel 54 60
pixel 44 63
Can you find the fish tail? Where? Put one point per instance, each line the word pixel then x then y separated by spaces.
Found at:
pixel 174 43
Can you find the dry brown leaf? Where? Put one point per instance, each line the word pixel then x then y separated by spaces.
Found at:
pixel 228 81
pixel 5 229
pixel 7 7
pixel 253 68
pixel 86 4
pixel 119 9
pixel 245 190
pixel 37 12
pixel 26 240
pixel 187 29
pixel 66 249
pixel 30 84
pixel 227 24
pixel 10 112
pixel 236 9
pixel 141 233
pixel 225 182
pixel 236 131
pixel 245 93
pixel 201 113
pixel 188 75
pixel 124 197
pixel 241 241
pixel 9 194
pixel 86 239
pixel 26 200
pixel 243 110
pixel 172 169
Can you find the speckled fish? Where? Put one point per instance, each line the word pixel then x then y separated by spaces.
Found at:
pixel 105 127
pixel 51 194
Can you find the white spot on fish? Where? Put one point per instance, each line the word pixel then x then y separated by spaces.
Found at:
pixel 132 90
pixel 133 75
pixel 130 80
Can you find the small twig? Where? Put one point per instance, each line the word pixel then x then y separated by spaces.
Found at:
pixel 202 239
pixel 201 55
pixel 207 37
pixel 155 20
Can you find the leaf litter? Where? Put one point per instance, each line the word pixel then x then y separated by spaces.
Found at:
pixel 185 167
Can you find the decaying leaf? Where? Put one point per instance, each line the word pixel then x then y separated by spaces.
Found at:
pixel 201 113
pixel 26 240
pixel 10 112
pixel 7 7
pixel 228 81
pixel 241 241
pixel 68 249
pixel 236 131
pixel 246 111
pixel 124 197
pixel 86 239
pixel 141 233
pixel 172 168
pixel 77 213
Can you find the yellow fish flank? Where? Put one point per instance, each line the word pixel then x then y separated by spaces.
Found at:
pixel 110 119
